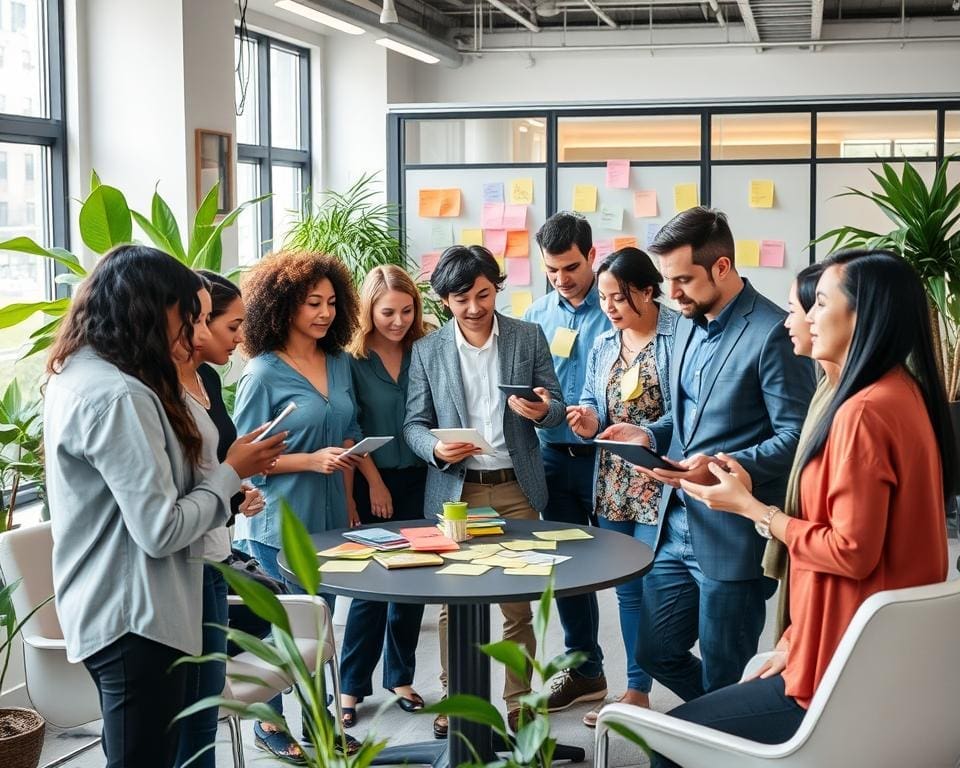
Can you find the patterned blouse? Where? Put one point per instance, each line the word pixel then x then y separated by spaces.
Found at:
pixel 623 493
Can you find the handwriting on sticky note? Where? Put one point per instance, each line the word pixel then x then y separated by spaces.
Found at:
pixel 518 244
pixel 520 302
pixel 645 202
pixel 771 253
pixel 747 253
pixel 521 191
pixel 530 570
pixel 441 235
pixel 471 237
pixel 584 198
pixel 566 534
pixel 428 263
pixel 562 343
pixel 344 566
pixel 618 174
pixel 495 241
pixel 685 196
pixel 761 193
pixel 611 217
pixel 515 217
pixel 464 569
pixel 493 192
pixel 518 271
pixel 491 216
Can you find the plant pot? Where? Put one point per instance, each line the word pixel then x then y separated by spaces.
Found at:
pixel 952 506
pixel 21 737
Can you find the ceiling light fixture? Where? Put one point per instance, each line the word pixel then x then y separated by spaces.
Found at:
pixel 535 123
pixel 321 18
pixel 407 50
pixel 389 13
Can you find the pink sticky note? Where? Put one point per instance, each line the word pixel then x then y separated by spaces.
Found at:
pixel 645 202
pixel 604 249
pixel 771 253
pixel 495 241
pixel 518 271
pixel 618 174
pixel 515 217
pixel 492 216
pixel 428 263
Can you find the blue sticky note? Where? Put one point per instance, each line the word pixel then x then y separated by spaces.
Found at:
pixel 493 192
pixel 652 229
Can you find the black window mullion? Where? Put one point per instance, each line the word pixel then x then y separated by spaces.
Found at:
pixel 264 136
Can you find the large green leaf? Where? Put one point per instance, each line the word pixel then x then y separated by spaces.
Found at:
pixel 255 596
pixel 209 254
pixel 13 314
pixel 510 654
pixel 165 223
pixel 542 617
pixel 298 547
pixel 105 220
pixel 59 255
pixel 530 739
pixel 156 236
pixel 471 708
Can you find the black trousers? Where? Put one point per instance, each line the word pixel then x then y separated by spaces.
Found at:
pixel 139 697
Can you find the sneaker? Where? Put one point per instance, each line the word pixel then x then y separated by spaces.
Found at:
pixel 569 688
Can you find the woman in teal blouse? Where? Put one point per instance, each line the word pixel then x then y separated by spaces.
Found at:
pixel 301 313
pixel 389 486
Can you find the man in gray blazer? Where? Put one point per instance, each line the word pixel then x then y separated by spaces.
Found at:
pixel 454 377
pixel 740 390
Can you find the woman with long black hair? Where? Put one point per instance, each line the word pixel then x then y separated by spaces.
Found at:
pixel 128 503
pixel 871 501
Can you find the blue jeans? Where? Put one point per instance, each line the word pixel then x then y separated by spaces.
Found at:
pixel 630 599
pixel 207 679
pixel 570 500
pixel 681 604
pixel 758 710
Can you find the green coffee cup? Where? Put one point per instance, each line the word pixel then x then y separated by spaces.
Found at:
pixel 454 510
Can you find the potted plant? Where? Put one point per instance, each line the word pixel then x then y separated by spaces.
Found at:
pixel 21 444
pixel 21 730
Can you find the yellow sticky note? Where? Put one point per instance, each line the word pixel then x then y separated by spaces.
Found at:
pixel 520 301
pixel 530 570
pixel 761 193
pixel 521 192
pixel 464 569
pixel 584 198
pixel 630 385
pixel 344 566
pixel 502 263
pixel 567 534
pixel 348 551
pixel 471 237
pixel 461 554
pixel 685 196
pixel 562 343
pixel 526 546
pixel 747 253
pixel 497 561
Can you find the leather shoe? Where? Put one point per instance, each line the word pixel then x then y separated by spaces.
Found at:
pixel 440 726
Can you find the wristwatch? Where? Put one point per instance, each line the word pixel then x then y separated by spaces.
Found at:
pixel 763 524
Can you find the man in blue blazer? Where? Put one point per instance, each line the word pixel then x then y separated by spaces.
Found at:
pixel 741 391
pixel 454 377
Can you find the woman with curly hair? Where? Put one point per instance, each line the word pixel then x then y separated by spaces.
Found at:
pixel 301 314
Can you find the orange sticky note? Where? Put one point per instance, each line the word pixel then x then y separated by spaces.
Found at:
pixel 518 244
pixel 449 202
pixel 624 242
pixel 429 202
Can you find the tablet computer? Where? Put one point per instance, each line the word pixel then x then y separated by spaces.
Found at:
pixel 367 445
pixel 463 435
pixel 637 454
pixel 520 390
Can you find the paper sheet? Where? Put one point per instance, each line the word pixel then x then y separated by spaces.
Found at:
pixel 496 561
pixel 567 534
pixel 350 550
pixel 343 566
pixel 645 202
pixel 562 343
pixel 518 271
pixel 525 546
pixel 491 216
pixel 493 192
pixel 464 569
pixel 611 217
pixel 530 570
pixel 441 235
pixel 515 217
pixel 771 253
pixel 521 191
pixel 584 198
pixel 747 253
pixel 761 193
pixel 618 174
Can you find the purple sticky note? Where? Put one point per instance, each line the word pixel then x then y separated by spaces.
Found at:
pixel 492 216
pixel 771 253
pixel 495 241
pixel 518 271
pixel 493 192
pixel 618 174
pixel 652 230
pixel 515 217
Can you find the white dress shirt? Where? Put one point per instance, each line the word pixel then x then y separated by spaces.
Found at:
pixel 480 370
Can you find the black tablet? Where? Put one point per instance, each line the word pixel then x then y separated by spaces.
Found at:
pixel 522 391
pixel 637 454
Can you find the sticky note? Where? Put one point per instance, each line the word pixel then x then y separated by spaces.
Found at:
pixel 493 192
pixel 747 253
pixel 471 237
pixel 524 546
pixel 562 343
pixel 653 229
pixel 604 248
pixel 611 217
pixel 520 302
pixel 429 202
pixel 515 217
pixel 449 202
pixel 685 196
pixel 495 241
pixel 521 191
pixel 518 271
pixel 584 198
pixel 463 554
pixel 518 244
pixel 630 385
pixel 761 193
pixel 530 570
pixel 343 566
pixel 567 534
pixel 349 549
pixel 771 253
pixel 428 263
pixel 492 216
pixel 624 242
pixel 502 263
pixel 645 202
pixel 441 235
pixel 439 202
pixel 618 174
pixel 498 561
pixel 464 569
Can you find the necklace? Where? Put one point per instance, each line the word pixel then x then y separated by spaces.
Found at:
pixel 200 396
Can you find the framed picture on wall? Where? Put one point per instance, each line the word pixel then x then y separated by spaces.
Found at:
pixel 214 163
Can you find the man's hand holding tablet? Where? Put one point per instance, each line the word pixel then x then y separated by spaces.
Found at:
pixel 457 444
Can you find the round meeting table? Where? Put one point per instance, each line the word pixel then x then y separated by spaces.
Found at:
pixel 606 559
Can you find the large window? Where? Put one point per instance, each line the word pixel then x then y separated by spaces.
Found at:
pixel 32 180
pixel 273 139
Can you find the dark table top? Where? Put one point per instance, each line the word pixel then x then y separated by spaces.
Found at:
pixel 608 559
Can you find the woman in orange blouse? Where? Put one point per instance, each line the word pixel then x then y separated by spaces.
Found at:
pixel 873 483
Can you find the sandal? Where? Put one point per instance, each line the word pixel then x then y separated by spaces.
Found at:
pixel 278 744
pixel 413 703
pixel 349 718
pixel 353 746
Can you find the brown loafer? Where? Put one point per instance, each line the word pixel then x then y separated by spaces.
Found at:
pixel 440 726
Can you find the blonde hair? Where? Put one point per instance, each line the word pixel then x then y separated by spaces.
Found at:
pixel 379 281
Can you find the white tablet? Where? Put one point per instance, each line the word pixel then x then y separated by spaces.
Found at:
pixel 463 435
pixel 367 445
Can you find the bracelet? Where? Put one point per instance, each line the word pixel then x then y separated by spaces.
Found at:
pixel 762 525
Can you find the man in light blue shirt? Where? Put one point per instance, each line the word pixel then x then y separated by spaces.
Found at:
pixel 571 319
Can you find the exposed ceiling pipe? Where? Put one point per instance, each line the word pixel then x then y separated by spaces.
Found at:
pixel 746 13
pixel 715 7
pixel 601 15
pixel 504 8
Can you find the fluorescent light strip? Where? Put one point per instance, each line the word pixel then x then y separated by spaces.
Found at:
pixel 407 50
pixel 321 18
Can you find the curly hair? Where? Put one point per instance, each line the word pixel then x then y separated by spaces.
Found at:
pixel 277 287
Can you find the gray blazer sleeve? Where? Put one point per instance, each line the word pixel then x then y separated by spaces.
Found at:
pixel 544 375
pixel 421 416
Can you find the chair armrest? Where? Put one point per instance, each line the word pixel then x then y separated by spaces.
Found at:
pixel 302 611
pixel 45 643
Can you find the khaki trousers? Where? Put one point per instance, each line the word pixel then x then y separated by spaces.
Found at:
pixel 508 499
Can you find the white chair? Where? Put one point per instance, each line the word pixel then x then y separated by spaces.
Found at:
pixel 63 693
pixel 887 698
pixel 306 614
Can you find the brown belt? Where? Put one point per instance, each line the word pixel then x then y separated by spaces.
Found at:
pixel 490 476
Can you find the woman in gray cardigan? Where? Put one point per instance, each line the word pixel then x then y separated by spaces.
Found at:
pixel 128 504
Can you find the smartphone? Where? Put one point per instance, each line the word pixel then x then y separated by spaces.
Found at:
pixel 520 390
pixel 637 454
pixel 290 407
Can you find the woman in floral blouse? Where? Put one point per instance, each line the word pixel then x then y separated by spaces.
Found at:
pixel 627 381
